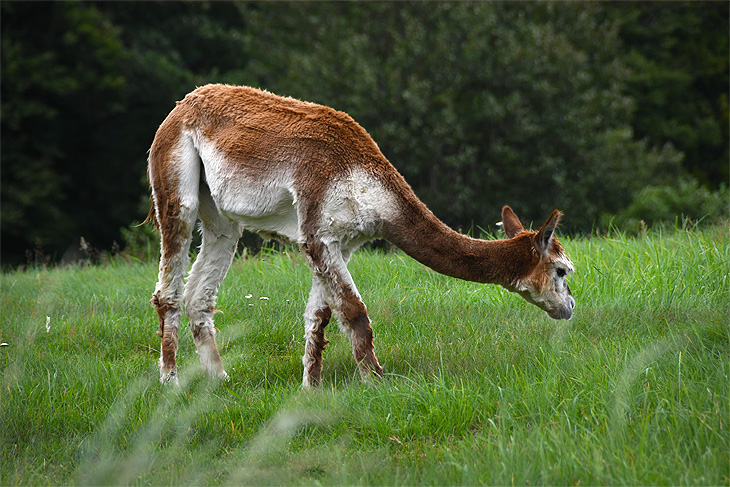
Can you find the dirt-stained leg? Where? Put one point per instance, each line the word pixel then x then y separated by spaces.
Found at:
pixel 176 230
pixel 174 172
pixel 316 317
pixel 330 267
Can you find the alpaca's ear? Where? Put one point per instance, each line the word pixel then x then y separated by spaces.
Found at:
pixel 544 237
pixel 510 223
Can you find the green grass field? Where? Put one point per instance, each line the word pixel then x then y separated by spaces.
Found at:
pixel 480 387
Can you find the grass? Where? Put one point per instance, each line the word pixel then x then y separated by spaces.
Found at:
pixel 480 387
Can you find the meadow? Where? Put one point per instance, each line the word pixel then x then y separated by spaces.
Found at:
pixel 479 387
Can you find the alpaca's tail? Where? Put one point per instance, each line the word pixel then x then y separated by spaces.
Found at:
pixel 151 216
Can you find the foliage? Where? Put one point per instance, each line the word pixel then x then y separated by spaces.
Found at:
pixel 686 200
pixel 84 87
pixel 537 105
pixel 481 388
pixel 141 242
pixel 63 98
pixel 678 54
pixel 478 105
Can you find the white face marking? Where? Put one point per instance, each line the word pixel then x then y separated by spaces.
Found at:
pixel 563 262
pixel 556 296
pixel 550 292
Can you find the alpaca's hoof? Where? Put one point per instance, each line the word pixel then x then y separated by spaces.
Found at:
pixel 169 377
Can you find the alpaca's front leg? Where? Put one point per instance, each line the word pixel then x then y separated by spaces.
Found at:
pixel 330 268
pixel 316 319
pixel 356 323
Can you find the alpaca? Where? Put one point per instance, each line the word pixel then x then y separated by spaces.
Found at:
pixel 238 157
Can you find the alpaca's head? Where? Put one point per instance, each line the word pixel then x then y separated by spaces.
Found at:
pixel 544 271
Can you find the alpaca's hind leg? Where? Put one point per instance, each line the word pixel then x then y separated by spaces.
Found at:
pixel 220 238
pixel 176 232
pixel 174 172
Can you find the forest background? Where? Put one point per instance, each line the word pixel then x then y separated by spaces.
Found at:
pixel 617 113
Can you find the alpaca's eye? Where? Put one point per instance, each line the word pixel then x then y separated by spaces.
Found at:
pixel 560 272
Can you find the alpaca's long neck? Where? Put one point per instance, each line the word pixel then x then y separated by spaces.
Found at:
pixel 424 237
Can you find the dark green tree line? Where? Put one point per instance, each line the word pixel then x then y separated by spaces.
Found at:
pixel 577 106
pixel 678 55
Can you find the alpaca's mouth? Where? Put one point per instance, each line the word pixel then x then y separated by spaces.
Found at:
pixel 562 312
pixel 559 312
